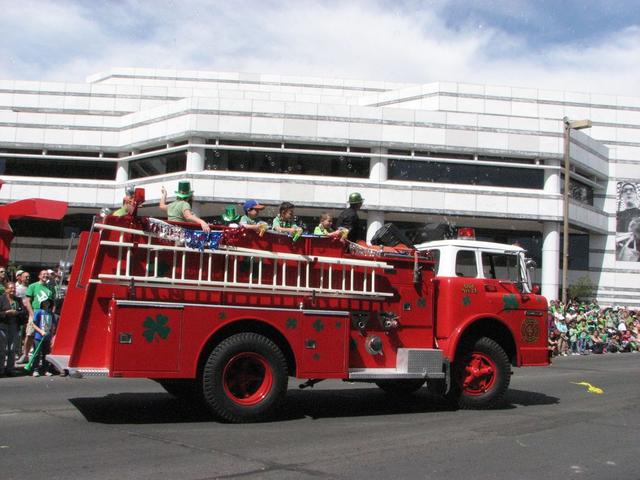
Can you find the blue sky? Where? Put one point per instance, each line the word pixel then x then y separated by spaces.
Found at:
pixel 544 23
pixel 587 45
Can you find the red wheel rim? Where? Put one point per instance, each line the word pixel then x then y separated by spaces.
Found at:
pixel 247 378
pixel 479 374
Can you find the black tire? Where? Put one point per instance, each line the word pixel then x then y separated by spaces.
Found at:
pixel 245 378
pixel 400 387
pixel 480 375
pixel 186 389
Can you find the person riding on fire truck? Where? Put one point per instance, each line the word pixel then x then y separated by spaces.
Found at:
pixel 180 209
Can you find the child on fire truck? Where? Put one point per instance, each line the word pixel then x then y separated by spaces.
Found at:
pixel 250 218
pixel 283 223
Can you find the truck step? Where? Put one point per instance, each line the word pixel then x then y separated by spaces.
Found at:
pixel 61 363
pixel 410 363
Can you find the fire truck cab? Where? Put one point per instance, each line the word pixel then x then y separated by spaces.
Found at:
pixel 489 314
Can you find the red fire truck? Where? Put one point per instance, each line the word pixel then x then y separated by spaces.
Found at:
pixel 225 318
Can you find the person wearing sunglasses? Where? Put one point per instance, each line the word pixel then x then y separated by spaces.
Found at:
pixel 628 206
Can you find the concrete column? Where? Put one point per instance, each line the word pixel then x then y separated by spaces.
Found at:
pixel 375 220
pixel 122 171
pixel 195 156
pixel 550 278
pixel 378 166
pixel 552 178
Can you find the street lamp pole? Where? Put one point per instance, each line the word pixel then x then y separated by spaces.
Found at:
pixel 568 126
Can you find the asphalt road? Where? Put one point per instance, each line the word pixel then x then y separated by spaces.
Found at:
pixel 66 428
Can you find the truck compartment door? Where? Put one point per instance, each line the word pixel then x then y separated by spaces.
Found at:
pixel 324 345
pixel 146 339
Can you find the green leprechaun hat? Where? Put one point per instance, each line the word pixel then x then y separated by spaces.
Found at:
pixel 230 214
pixel 184 190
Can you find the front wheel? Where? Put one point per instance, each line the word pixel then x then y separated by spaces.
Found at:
pixel 245 378
pixel 480 375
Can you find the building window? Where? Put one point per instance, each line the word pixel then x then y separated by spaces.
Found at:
pixel 287 163
pixel 160 165
pixel 50 168
pixel 579 191
pixel 465 174
pixel 578 251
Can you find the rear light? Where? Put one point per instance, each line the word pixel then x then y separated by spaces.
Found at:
pixel 466 233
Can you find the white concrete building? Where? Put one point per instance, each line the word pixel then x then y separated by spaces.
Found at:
pixel 484 156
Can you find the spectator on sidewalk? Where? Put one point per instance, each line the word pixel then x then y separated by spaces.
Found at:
pixel 36 294
pixel 11 312
pixel 22 283
pixel 3 278
pixel 573 337
pixel 44 324
pixel 597 343
pixel 562 331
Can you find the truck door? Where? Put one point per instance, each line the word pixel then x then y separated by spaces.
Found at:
pixel 504 283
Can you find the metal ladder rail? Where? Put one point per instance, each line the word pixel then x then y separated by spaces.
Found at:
pixel 330 260
pixel 235 252
pixel 242 287
pixel 262 253
pixel 369 284
pixel 226 282
pixel 309 258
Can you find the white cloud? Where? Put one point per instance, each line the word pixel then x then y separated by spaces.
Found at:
pixel 64 40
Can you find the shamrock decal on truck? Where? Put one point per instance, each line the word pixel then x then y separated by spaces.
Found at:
pixel 155 327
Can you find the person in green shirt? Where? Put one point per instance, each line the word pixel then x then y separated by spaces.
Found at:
pixel 37 293
pixel 573 338
pixel 250 218
pixel 325 226
pixel 284 221
pixel 127 203
pixel 180 210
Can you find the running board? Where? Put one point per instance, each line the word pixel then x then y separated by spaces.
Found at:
pixel 61 363
pixel 411 363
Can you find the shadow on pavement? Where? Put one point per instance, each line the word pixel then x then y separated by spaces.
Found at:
pixel 139 408
pixel 525 398
pixel 148 408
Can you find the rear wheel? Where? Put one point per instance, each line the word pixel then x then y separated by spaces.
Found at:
pixel 480 375
pixel 400 387
pixel 245 378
